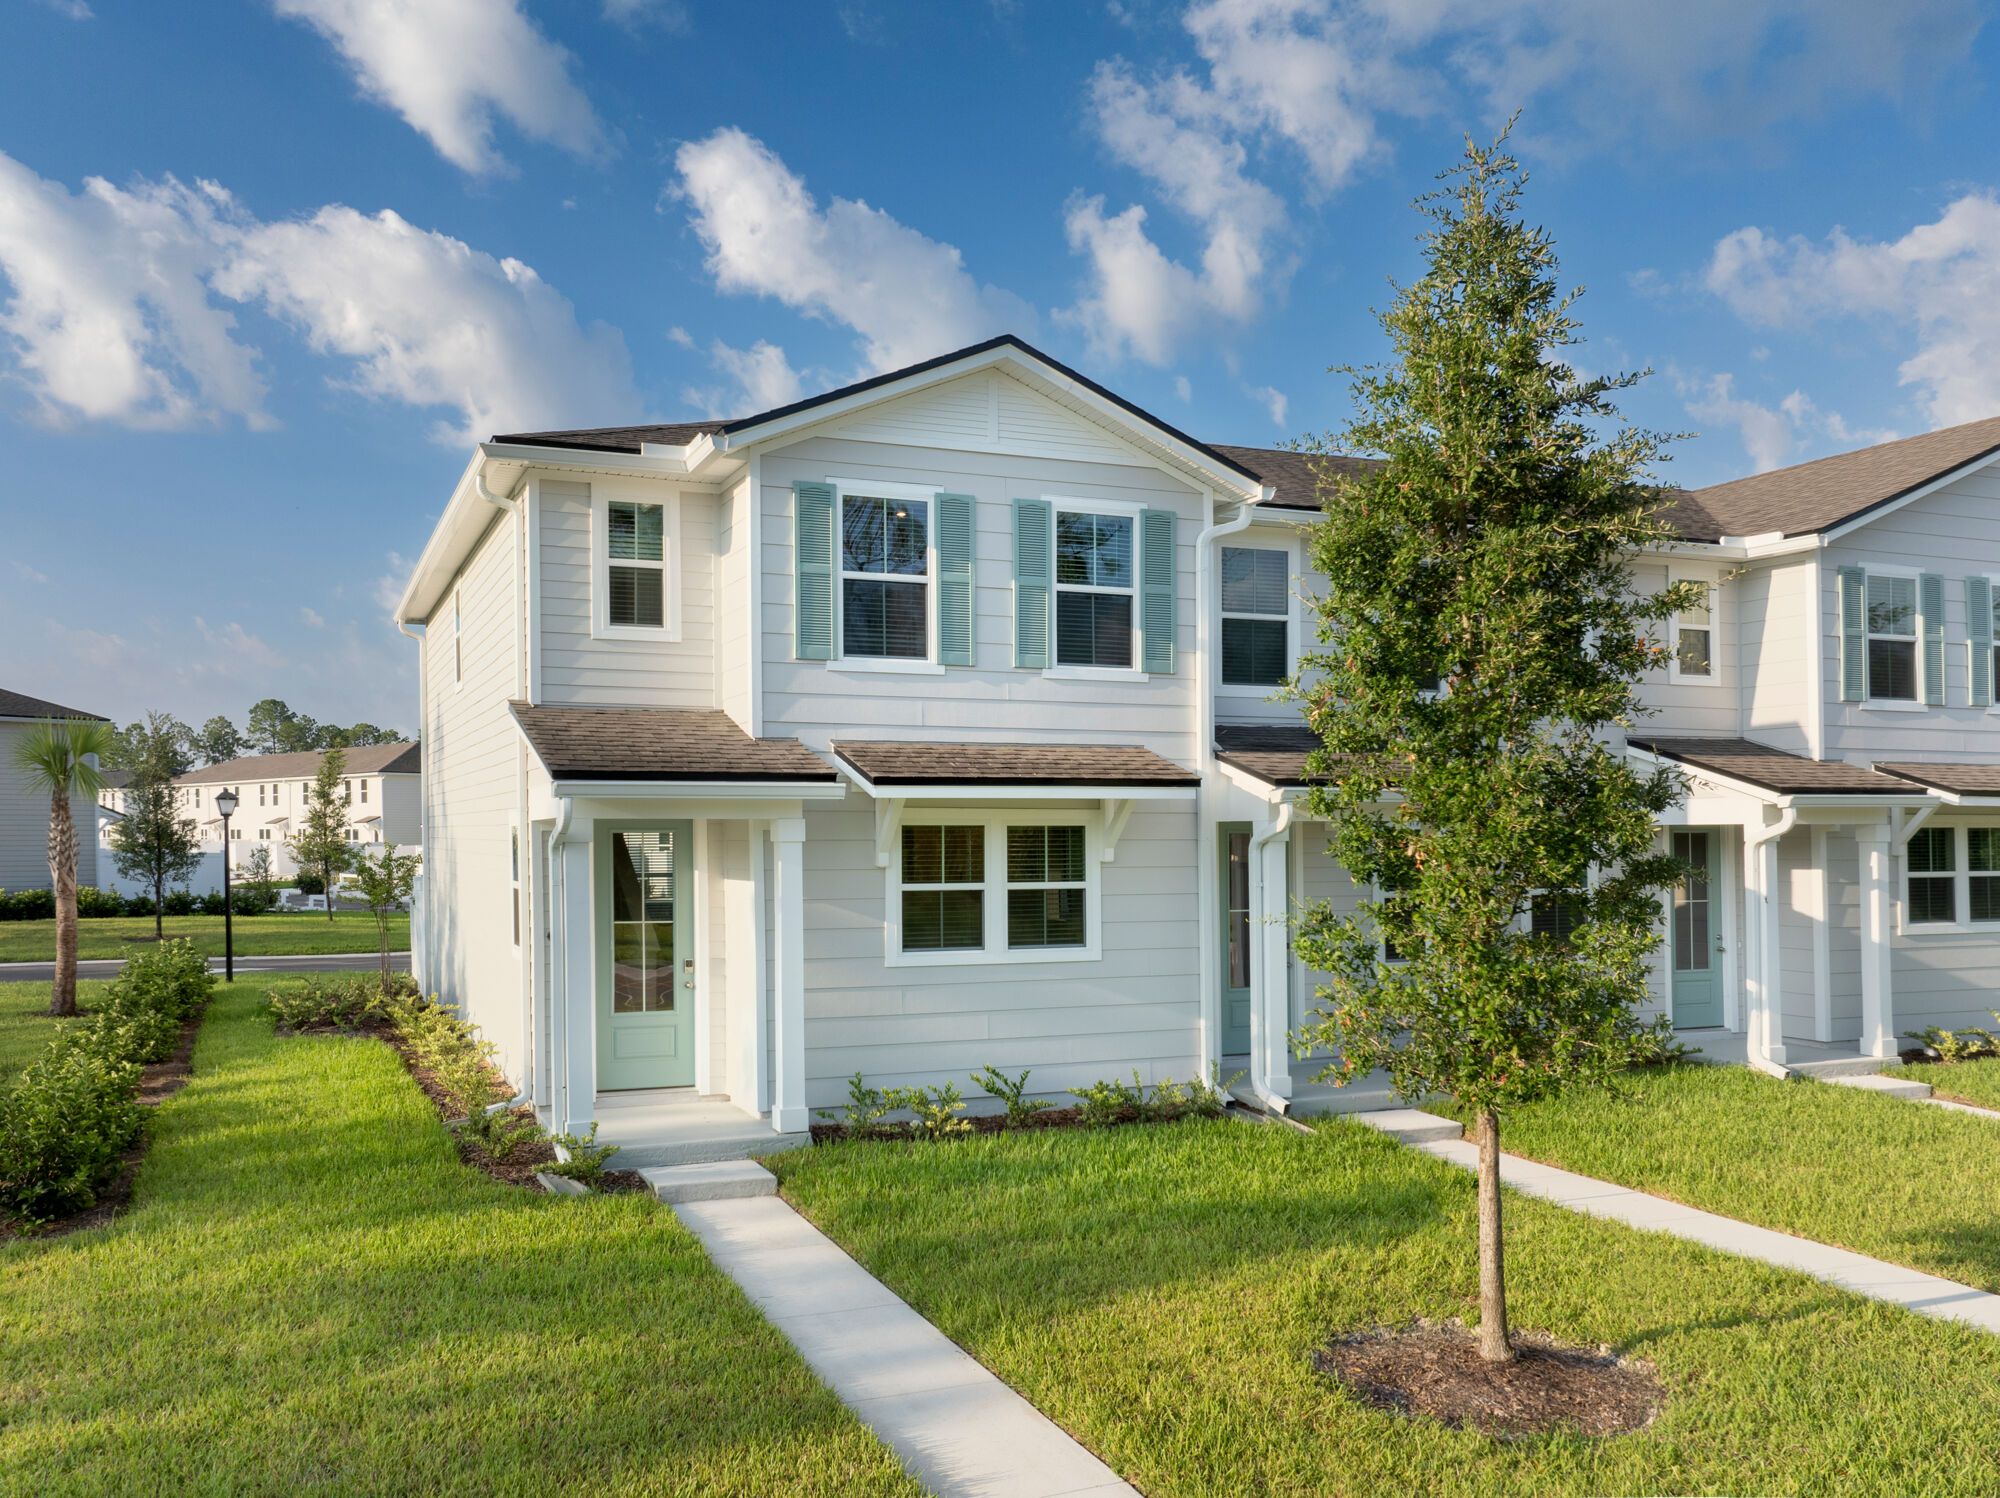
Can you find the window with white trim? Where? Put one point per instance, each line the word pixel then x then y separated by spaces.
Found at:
pixel 1892 637
pixel 636 564
pixel 885 577
pixel 944 888
pixel 1553 916
pixel 1046 887
pixel 1694 638
pixel 1095 588
pixel 1982 865
pixel 364 793
pixel 1931 894
pixel 1256 616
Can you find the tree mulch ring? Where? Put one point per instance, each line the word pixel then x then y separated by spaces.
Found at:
pixel 157 1082
pixel 1433 1369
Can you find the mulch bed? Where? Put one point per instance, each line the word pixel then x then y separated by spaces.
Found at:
pixel 157 1082
pixel 1433 1370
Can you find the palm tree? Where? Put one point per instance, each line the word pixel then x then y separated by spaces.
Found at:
pixel 55 756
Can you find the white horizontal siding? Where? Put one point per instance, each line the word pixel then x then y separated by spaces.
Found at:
pixel 1774 652
pixel 24 823
pixel 1694 707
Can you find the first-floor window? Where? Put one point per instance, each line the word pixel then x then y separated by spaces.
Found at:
pixel 1094 589
pixel 1933 878
pixel 1553 916
pixel 1982 862
pixel 1045 887
pixel 944 889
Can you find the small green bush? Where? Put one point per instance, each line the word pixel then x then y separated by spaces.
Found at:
pixel 936 1110
pixel 65 1121
pixel 1012 1091
pixel 586 1162
pixel 27 905
pixel 500 1130
pixel 1958 1045
pixel 1111 1101
pixel 340 1001
pixel 866 1108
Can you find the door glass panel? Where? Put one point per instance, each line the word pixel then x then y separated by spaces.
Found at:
pixel 1692 947
pixel 1238 897
pixel 642 922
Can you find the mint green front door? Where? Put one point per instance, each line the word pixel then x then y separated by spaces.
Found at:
pixel 1693 937
pixel 1235 945
pixel 645 957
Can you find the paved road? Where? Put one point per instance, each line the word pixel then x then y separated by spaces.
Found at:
pixel 110 967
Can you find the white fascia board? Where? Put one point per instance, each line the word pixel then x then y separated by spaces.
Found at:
pixel 1243 780
pixel 700 790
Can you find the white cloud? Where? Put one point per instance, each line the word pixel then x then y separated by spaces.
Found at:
pixel 431 322
pixel 389 586
pixel 449 67
pixel 1183 391
pixel 905 295
pixel 311 618
pixel 75 10
pixel 1271 399
pixel 634 15
pixel 680 337
pixel 764 380
pixel 1936 290
pixel 1773 436
pixel 29 574
pixel 109 316
pixel 234 646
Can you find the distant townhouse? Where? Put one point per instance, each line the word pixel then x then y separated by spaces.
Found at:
pixel 24 810
pixel 929 723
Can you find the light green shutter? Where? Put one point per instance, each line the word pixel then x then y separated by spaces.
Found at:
pixel 1034 574
pixel 954 592
pixel 1930 634
pixel 1978 641
pixel 1853 634
pixel 1156 590
pixel 812 571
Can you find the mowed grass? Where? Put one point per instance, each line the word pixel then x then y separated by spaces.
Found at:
pixel 311 1293
pixel 302 933
pixel 1160 1293
pixel 1974 1082
pixel 1881 1175
pixel 26 1027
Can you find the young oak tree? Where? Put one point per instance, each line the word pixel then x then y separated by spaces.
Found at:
pixel 1479 642
pixel 155 841
pixel 319 841
pixel 386 883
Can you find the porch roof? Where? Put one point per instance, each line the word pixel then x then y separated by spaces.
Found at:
pixel 1952 780
pixel 1274 753
pixel 899 764
pixel 1775 770
pixel 659 743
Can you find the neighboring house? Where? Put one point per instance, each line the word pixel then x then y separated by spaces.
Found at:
pixel 381 785
pixel 24 811
pixel 927 724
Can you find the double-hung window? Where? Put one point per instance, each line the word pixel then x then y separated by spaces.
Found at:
pixel 1982 862
pixel 635 546
pixel 885 577
pixel 993 886
pixel 1094 589
pixel 1694 640
pixel 1932 897
pixel 1256 616
pixel 1045 887
pixel 1892 637
pixel 944 888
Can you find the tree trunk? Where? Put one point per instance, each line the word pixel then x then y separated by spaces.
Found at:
pixel 1493 1343
pixel 327 874
pixel 159 910
pixel 62 874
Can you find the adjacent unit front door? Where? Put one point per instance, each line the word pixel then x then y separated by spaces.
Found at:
pixel 645 991
pixel 1235 885
pixel 1694 937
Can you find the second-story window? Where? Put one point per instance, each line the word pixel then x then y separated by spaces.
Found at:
pixel 1892 638
pixel 1694 642
pixel 1256 610
pixel 637 576
pixel 885 577
pixel 364 793
pixel 1094 589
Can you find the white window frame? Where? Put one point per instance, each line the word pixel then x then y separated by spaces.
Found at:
pixel 995 951
pixel 1060 504
pixel 888 665
pixel 1894 704
pixel 1290 547
pixel 1993 584
pixel 602 494
pixel 1714 627
pixel 1961 877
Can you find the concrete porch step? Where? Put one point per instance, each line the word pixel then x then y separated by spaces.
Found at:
pixel 713 1181
pixel 1889 1086
pixel 1411 1125
pixel 1844 1066
pixel 649 1154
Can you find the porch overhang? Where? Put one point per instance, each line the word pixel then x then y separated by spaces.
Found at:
pixel 667 755
pixel 1821 790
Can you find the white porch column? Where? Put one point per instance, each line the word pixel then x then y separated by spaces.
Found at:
pixel 1878 1008
pixel 1270 1016
pixel 1770 953
pixel 788 975
pixel 575 1006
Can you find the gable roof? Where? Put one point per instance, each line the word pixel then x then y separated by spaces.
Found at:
pixel 1816 496
pixel 403 758
pixel 21 705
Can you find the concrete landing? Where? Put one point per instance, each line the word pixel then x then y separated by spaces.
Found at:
pixel 1888 1086
pixel 1411 1125
pixel 676 1126
pixel 711 1181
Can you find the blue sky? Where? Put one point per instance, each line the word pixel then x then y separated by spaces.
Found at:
pixel 267 267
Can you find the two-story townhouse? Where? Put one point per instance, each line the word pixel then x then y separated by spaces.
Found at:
pixel 927 724
pixel 24 810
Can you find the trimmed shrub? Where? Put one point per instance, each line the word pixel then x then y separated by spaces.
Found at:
pixel 65 1121
pixel 27 905
pixel 177 902
pixel 160 990
pixel 342 1001
pixel 91 901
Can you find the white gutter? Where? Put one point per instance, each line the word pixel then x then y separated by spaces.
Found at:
pixel 1755 1053
pixel 1280 824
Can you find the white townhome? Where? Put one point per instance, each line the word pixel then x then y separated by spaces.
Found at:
pixel 926 724
pixel 24 810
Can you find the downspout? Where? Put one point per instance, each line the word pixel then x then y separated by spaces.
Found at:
pixel 1280 825
pixel 1755 1054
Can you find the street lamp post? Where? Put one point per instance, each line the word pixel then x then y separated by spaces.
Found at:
pixel 225 802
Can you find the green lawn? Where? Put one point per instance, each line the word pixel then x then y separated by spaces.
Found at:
pixel 311 1293
pixel 1877 1174
pixel 25 1026
pixel 1974 1082
pixel 1160 1292
pixel 301 934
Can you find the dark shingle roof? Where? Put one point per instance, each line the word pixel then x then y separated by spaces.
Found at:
pixel 617 439
pixel 1295 475
pixel 887 764
pixel 648 743
pixel 1775 770
pixel 401 758
pixel 1273 752
pixel 1956 780
pixel 21 705
pixel 1816 496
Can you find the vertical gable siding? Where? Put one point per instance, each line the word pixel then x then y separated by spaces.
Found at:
pixel 624 673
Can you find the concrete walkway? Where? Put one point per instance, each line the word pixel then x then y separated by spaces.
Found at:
pixel 959 1430
pixel 111 967
pixel 1913 1290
